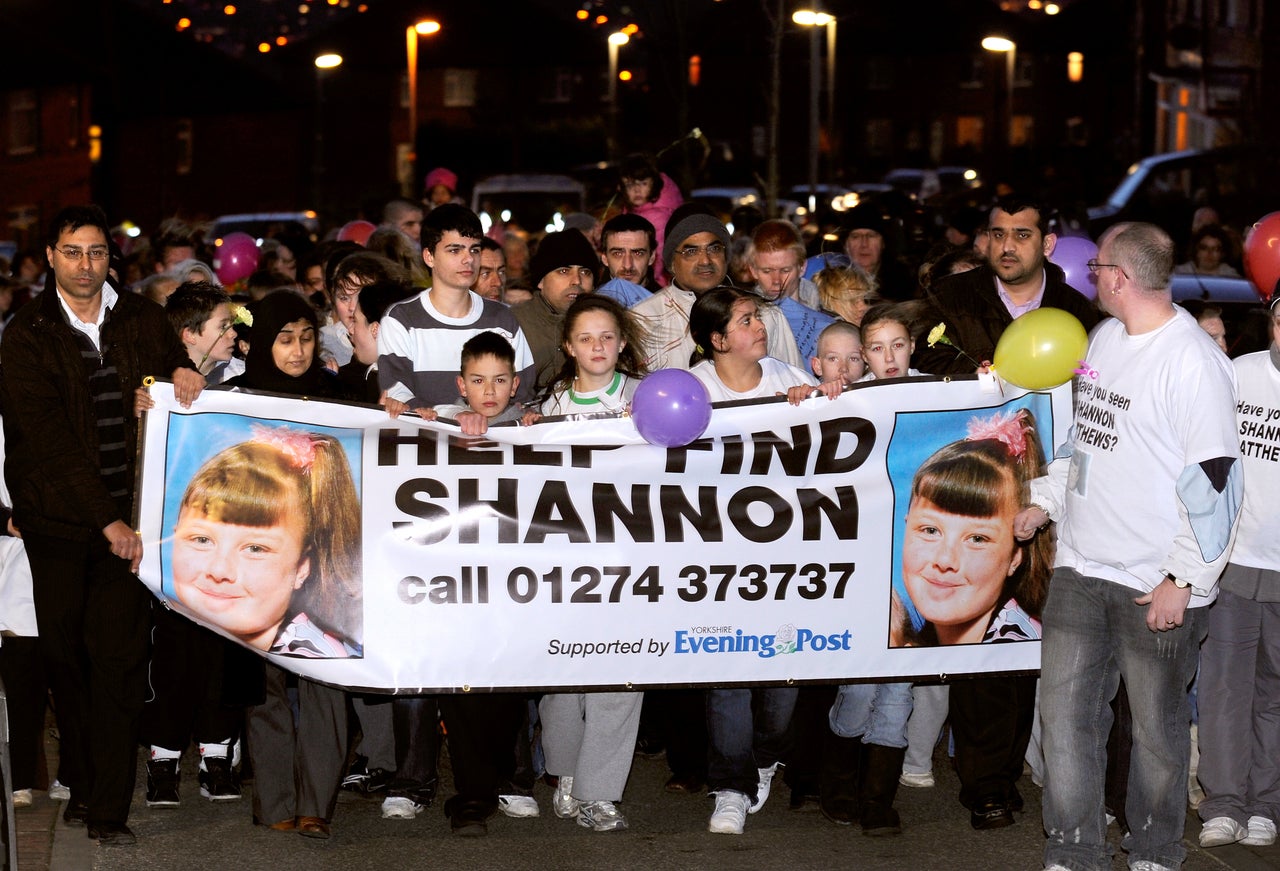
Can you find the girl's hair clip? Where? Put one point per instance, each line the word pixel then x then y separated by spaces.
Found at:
pixel 298 447
pixel 1005 428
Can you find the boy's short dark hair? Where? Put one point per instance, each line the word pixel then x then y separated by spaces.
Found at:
pixel 450 216
pixel 192 304
pixel 374 299
pixel 488 244
pixel 487 344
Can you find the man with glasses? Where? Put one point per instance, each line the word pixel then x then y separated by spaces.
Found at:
pixel 696 255
pixel 1145 502
pixel 992 717
pixel 72 361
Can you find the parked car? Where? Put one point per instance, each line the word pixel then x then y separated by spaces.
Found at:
pixel 261 225
pixel 723 200
pixel 1244 313
pixel 919 184
pixel 535 202
pixel 1242 182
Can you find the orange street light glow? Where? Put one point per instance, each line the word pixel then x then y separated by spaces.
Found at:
pixel 184 23
pixel 624 75
pixel 228 10
pixel 264 47
pixel 282 40
pixel 427 27
pixel 583 14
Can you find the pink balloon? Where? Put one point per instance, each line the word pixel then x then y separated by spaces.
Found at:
pixel 356 231
pixel 1262 255
pixel 236 257
pixel 1072 254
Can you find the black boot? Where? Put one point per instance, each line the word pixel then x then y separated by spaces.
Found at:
pixel 881 768
pixel 839 778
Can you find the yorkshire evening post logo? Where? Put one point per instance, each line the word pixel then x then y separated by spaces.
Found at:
pixel 787 639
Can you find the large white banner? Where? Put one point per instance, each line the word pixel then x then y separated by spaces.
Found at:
pixel 402 556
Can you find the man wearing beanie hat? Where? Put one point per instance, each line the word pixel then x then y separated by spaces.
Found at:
pixel 696 256
pixel 866 246
pixel 564 269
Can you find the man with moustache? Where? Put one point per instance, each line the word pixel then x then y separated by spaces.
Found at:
pixel 992 717
pixel 696 253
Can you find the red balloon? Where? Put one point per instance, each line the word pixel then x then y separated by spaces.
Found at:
pixel 356 231
pixel 1262 255
pixel 236 257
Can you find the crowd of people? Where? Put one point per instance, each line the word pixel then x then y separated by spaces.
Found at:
pixel 1122 555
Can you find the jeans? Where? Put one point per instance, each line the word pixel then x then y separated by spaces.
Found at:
pixel 876 712
pixel 1093 635
pixel 746 731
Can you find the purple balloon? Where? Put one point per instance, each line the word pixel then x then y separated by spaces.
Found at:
pixel 1073 253
pixel 671 408
pixel 236 257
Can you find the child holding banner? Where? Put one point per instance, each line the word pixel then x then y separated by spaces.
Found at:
pixel 867 740
pixel 746 726
pixel 299 764
pixel 487 383
pixel 730 355
pixel 603 364
pixel 588 737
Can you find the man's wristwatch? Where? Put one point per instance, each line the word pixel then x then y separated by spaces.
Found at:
pixel 1181 585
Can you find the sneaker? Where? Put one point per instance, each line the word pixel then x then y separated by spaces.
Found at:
pixel 162 782
pixel 563 803
pixel 1221 830
pixel 919 781
pixel 400 808
pixel 377 781
pixel 601 816
pixel 730 814
pixel 58 792
pixel 1148 865
pixel 22 798
pixel 1262 832
pixel 762 786
pixel 518 806
pixel 217 780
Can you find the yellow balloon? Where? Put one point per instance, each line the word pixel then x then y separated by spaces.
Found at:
pixel 1041 349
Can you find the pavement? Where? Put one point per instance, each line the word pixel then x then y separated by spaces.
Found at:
pixel 667 832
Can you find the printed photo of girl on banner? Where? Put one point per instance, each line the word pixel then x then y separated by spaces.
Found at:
pixel 266 541
pixel 960 576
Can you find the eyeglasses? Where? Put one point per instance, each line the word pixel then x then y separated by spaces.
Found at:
pixel 1094 266
pixel 74 254
pixel 712 249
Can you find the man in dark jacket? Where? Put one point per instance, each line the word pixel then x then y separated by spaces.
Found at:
pixel 991 717
pixel 978 305
pixel 72 359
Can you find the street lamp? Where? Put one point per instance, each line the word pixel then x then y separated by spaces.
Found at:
pixel 1001 45
pixel 816 18
pixel 324 63
pixel 426 27
pixel 616 41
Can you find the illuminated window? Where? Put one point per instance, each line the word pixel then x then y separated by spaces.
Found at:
pixel 695 70
pixel 459 88
pixel 970 131
pixel 24 122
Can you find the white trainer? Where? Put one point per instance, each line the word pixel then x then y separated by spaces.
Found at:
pixel 58 792
pixel 1262 832
pixel 400 808
pixel 518 806
pixel 1220 831
pixel 730 814
pixel 22 798
pixel 563 803
pixel 601 816
pixel 762 786
pixel 919 781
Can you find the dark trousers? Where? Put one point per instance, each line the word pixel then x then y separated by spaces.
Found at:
pixel 415 721
pixel 22 672
pixel 185 676
pixel 681 719
pixel 297 768
pixel 991 720
pixel 93 620
pixel 482 731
